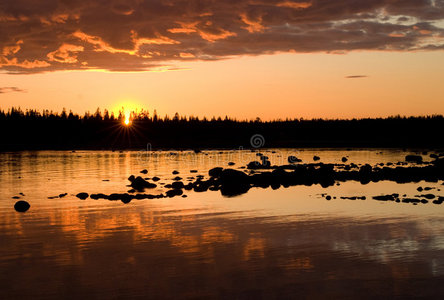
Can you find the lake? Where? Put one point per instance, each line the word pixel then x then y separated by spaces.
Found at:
pixel 285 243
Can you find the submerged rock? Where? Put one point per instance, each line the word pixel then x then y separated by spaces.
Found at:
pixel 215 172
pixel 293 159
pixel 440 200
pixel 140 184
pixel 21 206
pixel 391 197
pixel 174 192
pixel 413 158
pixel 82 196
pixel 177 185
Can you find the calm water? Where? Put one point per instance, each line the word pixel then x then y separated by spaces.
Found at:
pixel 287 243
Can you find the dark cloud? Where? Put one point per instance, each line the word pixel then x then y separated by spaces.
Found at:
pixel 11 89
pixel 356 76
pixel 138 35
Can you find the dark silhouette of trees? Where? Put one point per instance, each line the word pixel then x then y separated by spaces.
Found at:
pixel 31 129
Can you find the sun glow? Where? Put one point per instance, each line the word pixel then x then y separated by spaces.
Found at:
pixel 126 110
pixel 127 120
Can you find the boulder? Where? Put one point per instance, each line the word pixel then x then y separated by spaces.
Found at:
pixel 82 196
pixel 21 206
pixel 177 185
pixel 215 172
pixel 140 184
pixel 414 158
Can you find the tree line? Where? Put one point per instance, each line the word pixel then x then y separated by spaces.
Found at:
pixel 31 129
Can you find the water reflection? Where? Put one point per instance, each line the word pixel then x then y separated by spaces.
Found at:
pixel 136 252
pixel 267 244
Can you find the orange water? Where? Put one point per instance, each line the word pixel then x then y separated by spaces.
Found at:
pixel 265 244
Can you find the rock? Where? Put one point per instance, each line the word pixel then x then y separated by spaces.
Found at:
pixel 391 197
pixel 175 172
pixel 63 195
pixel 155 178
pixel 316 158
pixel 411 200
pixel 15 197
pixel 328 198
pixel 414 158
pixel 427 196
pixel 193 171
pixel 419 189
pixel 293 159
pixel 173 193
pixel 131 178
pixel 354 198
pixel 215 172
pixel 440 200
pixel 82 196
pixel 21 206
pixel 126 198
pixel 255 165
pixel 344 159
pixel 140 184
pixel 231 163
pixel 98 196
pixel 145 171
pixel 234 182
pixel 177 185
pixel 177 178
pixel 188 187
pixel 231 175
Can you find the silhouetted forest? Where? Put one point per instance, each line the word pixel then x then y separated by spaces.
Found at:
pixel 31 129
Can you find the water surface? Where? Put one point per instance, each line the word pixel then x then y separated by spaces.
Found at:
pixel 284 243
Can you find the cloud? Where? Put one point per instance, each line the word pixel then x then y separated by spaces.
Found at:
pixel 140 35
pixel 11 89
pixel 356 76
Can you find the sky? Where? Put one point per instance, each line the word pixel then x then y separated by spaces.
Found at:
pixel 242 58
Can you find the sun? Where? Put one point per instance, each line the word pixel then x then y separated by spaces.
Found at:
pixel 127 120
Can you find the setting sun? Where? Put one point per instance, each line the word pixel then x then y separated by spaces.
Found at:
pixel 127 120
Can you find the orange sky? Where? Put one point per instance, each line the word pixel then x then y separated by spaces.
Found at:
pixel 276 86
pixel 250 59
